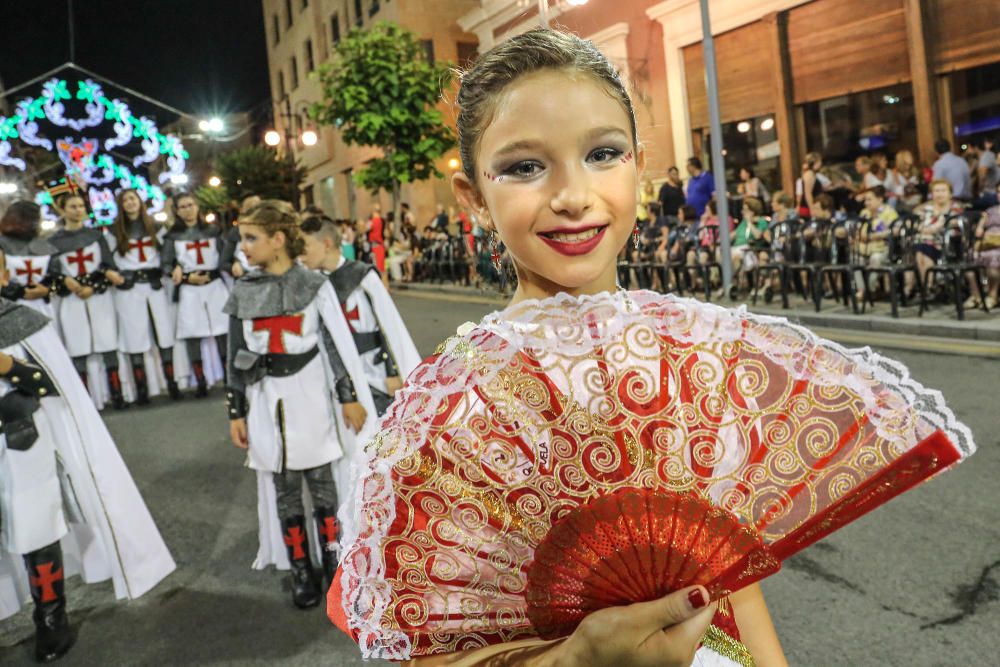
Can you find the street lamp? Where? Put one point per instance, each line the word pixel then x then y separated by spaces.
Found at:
pixel 272 138
pixel 160 216
pixel 215 181
pixel 8 188
pixel 454 164
pixel 213 125
pixel 210 217
pixel 309 138
pixel 179 179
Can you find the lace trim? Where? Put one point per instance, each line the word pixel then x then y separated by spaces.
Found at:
pixel 574 326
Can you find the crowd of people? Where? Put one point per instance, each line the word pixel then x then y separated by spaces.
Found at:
pixel 883 215
pixel 307 341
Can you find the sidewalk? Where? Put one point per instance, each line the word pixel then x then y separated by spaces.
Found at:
pixel 938 322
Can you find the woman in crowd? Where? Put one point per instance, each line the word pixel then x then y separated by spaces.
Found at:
pixel 988 246
pixel 935 215
pixel 748 238
pixel 671 195
pixel 878 218
pixel 144 316
pixel 808 186
pixel 902 182
pixel 191 251
pixel 751 186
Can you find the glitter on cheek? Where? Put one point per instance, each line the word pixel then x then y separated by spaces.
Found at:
pixel 493 177
pixel 625 159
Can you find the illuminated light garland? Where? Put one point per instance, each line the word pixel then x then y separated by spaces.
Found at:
pixel 82 156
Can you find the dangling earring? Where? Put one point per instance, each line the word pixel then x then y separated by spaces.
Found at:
pixel 635 236
pixel 495 250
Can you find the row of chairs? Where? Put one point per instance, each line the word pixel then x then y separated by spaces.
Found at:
pixel 443 260
pixel 834 274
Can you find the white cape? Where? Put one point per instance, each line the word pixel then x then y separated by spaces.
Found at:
pixel 118 538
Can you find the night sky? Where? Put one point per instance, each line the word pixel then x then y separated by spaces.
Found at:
pixel 200 56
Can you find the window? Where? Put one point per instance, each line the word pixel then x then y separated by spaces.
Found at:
pixel 751 143
pixel 975 103
pixel 275 28
pixel 428 45
pixel 295 73
pixel 310 62
pixel 373 9
pixel 288 13
pixel 847 127
pixel 467 53
pixel 357 13
pixel 281 84
pixel 305 3
pixel 335 28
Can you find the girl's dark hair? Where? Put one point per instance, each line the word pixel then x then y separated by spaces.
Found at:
pixel 179 225
pixel 21 220
pixel 120 225
pixel 273 216
pixel 748 170
pixel 532 51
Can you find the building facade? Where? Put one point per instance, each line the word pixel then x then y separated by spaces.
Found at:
pixel 841 77
pixel 300 37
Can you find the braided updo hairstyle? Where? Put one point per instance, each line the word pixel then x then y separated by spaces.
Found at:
pixel 273 216
pixel 533 51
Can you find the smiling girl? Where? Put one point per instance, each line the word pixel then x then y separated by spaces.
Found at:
pixel 576 390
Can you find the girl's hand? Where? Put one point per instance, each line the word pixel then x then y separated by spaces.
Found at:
pixel 237 270
pixel 177 275
pixel 664 633
pixel 238 432
pixel 393 384
pixel 198 278
pixel 355 416
pixel 72 284
pixel 85 292
pixel 32 292
pixel 114 277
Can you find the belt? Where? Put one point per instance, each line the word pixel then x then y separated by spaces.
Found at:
pixel 153 277
pixel 212 276
pixel 366 341
pixel 257 366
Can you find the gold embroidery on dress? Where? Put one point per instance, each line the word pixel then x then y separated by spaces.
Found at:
pixel 724 645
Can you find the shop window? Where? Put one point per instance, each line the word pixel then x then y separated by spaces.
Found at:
pixel 975 103
pixel 295 72
pixel 288 14
pixel 752 143
pixel 335 28
pixel 310 60
pixel 358 18
pixel 874 121
pixel 275 28
pixel 428 45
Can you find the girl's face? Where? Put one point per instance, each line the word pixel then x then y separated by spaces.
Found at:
pixel 131 204
pixel 872 203
pixel 744 175
pixel 187 210
pixel 941 193
pixel 558 176
pixel 75 211
pixel 259 247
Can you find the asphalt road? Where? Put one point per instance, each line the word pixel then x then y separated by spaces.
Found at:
pixel 916 583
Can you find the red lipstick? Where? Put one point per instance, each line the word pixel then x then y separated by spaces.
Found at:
pixel 574 248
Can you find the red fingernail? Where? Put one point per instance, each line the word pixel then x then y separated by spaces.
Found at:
pixel 697 598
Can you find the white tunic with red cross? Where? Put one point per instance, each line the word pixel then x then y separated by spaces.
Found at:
pixel 28 269
pixel 82 261
pixel 291 423
pixel 141 254
pixel 197 254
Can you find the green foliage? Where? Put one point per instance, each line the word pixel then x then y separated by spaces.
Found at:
pixel 258 170
pixel 211 199
pixel 379 90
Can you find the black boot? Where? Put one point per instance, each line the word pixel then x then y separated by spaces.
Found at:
pixel 305 589
pixel 53 635
pixel 172 388
pixel 328 530
pixel 141 387
pixel 199 376
pixel 115 389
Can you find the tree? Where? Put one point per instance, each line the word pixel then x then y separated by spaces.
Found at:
pixel 380 90
pixel 212 199
pixel 258 170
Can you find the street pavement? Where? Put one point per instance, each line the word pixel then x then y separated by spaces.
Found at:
pixel 916 583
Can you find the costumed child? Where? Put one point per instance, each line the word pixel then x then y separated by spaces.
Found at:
pixel 297 396
pixel 144 317
pixel 597 476
pixel 33 275
pixel 68 504
pixel 191 252
pixel 386 348
pixel 86 313
pixel 234 260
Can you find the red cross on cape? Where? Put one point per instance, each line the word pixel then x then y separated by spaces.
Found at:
pixel 80 258
pixel 276 328
pixel 46 580
pixel 143 244
pixel 29 270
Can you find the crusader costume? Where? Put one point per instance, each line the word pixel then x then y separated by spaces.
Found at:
pixel 380 335
pixel 67 502
pixel 199 307
pixel 291 367
pixel 144 317
pixel 482 503
pixel 29 262
pixel 89 326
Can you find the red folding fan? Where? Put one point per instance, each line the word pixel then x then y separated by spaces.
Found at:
pixel 613 454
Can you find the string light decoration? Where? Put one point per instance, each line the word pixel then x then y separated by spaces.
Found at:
pixel 101 143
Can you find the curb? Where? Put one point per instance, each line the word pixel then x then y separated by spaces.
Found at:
pixel 909 324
